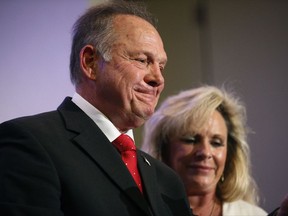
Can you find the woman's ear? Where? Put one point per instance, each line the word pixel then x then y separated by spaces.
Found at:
pixel 88 61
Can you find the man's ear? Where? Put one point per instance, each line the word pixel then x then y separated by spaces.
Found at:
pixel 88 61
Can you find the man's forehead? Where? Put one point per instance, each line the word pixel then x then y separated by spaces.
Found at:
pixel 122 20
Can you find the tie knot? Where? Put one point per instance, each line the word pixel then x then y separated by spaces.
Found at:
pixel 124 143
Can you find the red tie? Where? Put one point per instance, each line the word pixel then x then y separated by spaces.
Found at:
pixel 127 148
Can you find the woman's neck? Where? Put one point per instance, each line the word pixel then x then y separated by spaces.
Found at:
pixel 205 205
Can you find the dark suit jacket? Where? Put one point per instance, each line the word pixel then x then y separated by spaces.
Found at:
pixel 60 163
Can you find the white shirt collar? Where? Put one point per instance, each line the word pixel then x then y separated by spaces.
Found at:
pixel 99 118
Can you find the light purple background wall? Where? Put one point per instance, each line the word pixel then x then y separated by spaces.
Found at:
pixel 34 54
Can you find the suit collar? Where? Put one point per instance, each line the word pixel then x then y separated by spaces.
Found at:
pixel 94 143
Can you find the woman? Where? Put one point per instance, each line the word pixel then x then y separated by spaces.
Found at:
pixel 201 134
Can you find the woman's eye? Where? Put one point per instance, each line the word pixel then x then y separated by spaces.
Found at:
pixel 217 143
pixel 188 140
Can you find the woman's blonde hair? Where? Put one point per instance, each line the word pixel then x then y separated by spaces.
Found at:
pixel 191 108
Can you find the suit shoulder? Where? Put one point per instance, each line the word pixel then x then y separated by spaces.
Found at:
pixel 32 119
pixel 38 124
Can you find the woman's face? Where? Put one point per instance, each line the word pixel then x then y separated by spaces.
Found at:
pixel 199 157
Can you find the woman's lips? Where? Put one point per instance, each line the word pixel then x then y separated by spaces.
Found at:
pixel 202 168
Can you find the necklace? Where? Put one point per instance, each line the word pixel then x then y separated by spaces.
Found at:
pixel 212 209
pixel 211 212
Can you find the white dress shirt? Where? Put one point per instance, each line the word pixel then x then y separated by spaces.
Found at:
pixel 99 118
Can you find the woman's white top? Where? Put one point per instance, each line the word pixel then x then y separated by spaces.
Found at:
pixel 242 208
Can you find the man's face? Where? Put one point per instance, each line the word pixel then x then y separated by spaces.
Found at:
pixel 129 85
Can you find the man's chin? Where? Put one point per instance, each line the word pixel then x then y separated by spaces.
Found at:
pixel 143 115
pixel 143 108
pixel 148 113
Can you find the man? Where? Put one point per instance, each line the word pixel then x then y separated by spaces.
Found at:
pixel 63 162
pixel 283 209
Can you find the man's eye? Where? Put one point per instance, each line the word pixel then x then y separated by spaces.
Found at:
pixel 142 60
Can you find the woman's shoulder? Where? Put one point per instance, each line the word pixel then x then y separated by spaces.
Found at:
pixel 241 207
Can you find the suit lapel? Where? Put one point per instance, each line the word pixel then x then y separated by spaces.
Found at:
pixel 149 178
pixel 92 140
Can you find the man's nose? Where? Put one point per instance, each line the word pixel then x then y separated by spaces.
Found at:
pixel 154 77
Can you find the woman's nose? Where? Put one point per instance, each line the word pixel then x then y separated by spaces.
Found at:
pixel 203 151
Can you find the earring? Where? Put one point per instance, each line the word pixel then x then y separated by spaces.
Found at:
pixel 222 178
